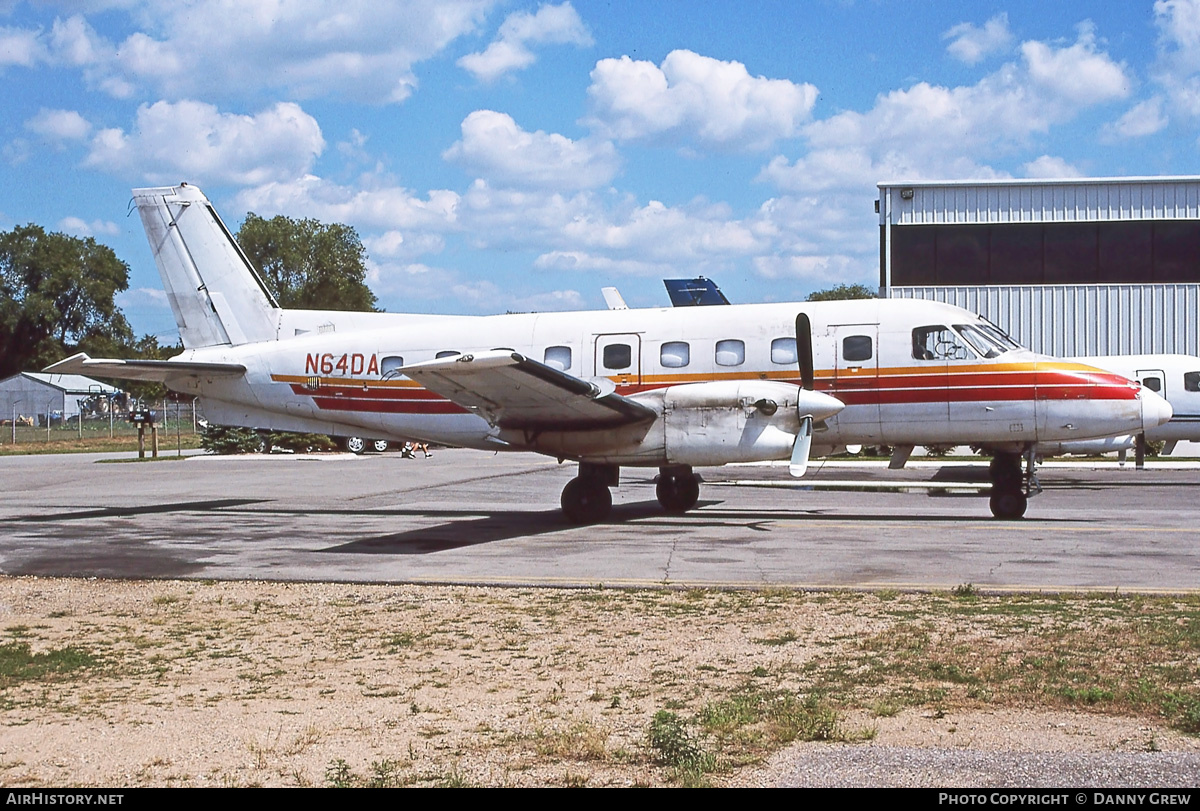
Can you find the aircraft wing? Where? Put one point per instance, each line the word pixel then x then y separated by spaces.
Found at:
pixel 156 371
pixel 513 391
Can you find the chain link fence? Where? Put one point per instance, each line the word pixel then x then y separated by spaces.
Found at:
pixel 175 420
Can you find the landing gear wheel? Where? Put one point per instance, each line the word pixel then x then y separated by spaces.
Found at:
pixel 355 444
pixel 379 445
pixel 1008 503
pixel 677 494
pixel 586 501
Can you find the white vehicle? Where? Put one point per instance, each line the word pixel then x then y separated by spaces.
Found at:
pixel 358 445
pixel 666 388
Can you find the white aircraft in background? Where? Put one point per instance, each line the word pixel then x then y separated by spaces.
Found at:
pixel 1176 378
pixel 668 388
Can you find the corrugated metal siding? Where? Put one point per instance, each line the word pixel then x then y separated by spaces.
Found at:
pixel 1140 199
pixel 30 397
pixel 1066 320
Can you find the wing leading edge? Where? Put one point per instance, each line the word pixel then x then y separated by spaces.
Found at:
pixel 155 371
pixel 510 390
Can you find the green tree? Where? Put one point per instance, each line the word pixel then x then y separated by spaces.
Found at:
pixel 842 292
pixel 308 264
pixel 56 297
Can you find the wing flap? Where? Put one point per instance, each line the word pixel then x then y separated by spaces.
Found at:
pixel 513 391
pixel 155 371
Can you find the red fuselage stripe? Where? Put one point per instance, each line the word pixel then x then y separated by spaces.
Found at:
pixel 863 388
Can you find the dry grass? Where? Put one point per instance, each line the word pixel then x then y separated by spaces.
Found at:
pixel 205 683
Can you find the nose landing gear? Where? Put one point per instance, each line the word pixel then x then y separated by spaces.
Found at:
pixel 1011 487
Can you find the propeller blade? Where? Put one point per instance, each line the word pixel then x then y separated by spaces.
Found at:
pixel 800 449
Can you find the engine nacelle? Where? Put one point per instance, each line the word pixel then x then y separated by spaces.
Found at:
pixel 730 421
pixel 701 424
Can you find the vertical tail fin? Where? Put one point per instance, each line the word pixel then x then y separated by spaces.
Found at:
pixel 216 295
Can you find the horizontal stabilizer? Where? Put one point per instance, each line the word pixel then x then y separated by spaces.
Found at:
pixel 513 391
pixel 155 371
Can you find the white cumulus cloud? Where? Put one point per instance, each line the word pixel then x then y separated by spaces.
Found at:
pixel 205 49
pixel 496 148
pixel 378 206
pixel 694 97
pixel 83 228
pixel 932 132
pixel 190 140
pixel 510 50
pixel 1078 74
pixel 1144 118
pixel 59 125
pixel 971 44
pixel 1050 166
pixel 20 46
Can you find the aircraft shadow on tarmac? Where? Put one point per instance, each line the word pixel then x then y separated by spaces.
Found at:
pixel 475 529
pixel 448 529
pixel 52 515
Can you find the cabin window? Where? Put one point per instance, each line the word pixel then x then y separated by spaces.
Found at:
pixel 447 353
pixel 675 354
pixel 938 343
pixel 559 357
pixel 731 352
pixel 618 356
pixel 1191 381
pixel 389 365
pixel 857 347
pixel 783 350
pixel 1154 383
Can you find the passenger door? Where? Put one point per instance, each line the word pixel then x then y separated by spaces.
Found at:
pixel 856 380
pixel 619 356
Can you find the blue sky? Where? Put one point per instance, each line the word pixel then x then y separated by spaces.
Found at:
pixel 519 156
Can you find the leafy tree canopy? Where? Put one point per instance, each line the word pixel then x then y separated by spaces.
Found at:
pixel 842 292
pixel 308 264
pixel 56 297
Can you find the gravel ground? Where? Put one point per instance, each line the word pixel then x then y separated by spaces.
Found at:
pixel 178 683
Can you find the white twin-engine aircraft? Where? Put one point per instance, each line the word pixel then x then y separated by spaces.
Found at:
pixel 666 388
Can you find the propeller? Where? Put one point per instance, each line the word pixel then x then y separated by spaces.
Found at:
pixel 805 405
pixel 800 449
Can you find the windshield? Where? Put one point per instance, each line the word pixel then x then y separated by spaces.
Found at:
pixel 988 340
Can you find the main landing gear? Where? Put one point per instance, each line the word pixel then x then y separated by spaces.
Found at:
pixel 1012 487
pixel 677 488
pixel 587 500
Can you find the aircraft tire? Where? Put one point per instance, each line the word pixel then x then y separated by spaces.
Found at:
pixel 586 501
pixel 677 494
pixel 379 445
pixel 1008 503
pixel 354 444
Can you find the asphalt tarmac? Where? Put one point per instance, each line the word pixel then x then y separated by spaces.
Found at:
pixel 470 517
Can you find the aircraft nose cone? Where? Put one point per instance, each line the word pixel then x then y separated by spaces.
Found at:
pixel 819 405
pixel 1155 410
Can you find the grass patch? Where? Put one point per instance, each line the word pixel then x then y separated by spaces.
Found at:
pixel 18 663
pixel 675 746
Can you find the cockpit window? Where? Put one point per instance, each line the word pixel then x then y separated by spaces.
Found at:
pixel 939 343
pixel 986 339
pixel 1191 381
